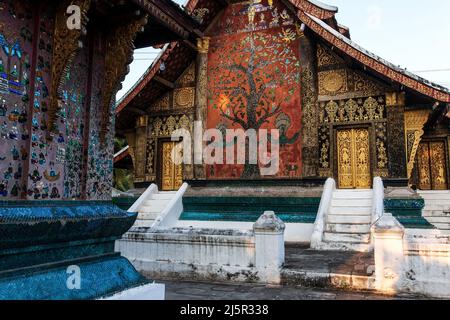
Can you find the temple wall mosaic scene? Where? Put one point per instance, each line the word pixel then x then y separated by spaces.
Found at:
pixel 219 149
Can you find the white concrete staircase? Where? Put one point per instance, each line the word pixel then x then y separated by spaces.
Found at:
pixel 348 221
pixel 437 208
pixel 152 207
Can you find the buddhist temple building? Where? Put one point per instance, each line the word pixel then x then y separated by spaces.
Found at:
pixel 341 111
pixel 61 65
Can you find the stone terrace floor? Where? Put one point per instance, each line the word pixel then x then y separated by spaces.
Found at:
pixel 212 291
pixel 307 275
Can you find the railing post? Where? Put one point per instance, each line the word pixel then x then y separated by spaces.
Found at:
pixel 325 203
pixel 269 247
pixel 389 258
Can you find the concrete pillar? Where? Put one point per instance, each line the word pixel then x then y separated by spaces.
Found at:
pixel 395 107
pixel 140 149
pixel 201 101
pixel 269 247
pixel 389 260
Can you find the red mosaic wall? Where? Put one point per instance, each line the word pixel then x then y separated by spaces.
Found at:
pixel 254 82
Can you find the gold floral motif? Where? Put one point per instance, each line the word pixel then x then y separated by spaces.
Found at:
pixel 119 50
pixel 172 173
pixel 184 97
pixel 332 82
pixel 161 105
pixel 382 155
pixel 414 123
pixel 163 127
pixel 432 166
pixel 352 110
pixel 326 58
pixel 438 165
pixel 350 107
pixel 203 45
pixel 170 125
pixel 424 167
pixel 395 99
pixel 353 158
pixel 331 108
pixel 188 77
pixel 371 106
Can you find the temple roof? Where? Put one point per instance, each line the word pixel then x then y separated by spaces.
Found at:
pixel 168 22
pixel 318 17
pixel 372 61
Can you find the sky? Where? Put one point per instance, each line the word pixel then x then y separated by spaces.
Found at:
pixel 414 34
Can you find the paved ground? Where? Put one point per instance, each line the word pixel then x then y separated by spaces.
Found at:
pixel 210 291
pixel 339 262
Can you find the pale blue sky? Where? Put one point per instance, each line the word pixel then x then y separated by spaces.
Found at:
pixel 412 33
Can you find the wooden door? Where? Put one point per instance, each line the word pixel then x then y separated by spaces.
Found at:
pixel 353 156
pixel 432 166
pixel 172 174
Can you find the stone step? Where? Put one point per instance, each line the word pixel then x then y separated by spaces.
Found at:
pixel 351 202
pixel 437 202
pixel 346 246
pixel 433 192
pixel 353 194
pixel 150 209
pixel 143 223
pixel 346 237
pixel 441 226
pixel 351 219
pixel 351 210
pixel 156 203
pixel 436 213
pixel 348 228
pixel 436 207
pixel 161 196
pixel 147 216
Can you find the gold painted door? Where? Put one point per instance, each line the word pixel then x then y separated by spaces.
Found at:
pixel 432 166
pixel 353 159
pixel 172 174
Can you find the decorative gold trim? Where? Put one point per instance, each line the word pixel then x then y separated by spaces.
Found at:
pixel 414 122
pixel 395 99
pixel 203 44
pixel 66 43
pixel 119 52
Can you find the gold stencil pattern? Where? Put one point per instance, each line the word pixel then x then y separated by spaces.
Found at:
pixel 184 97
pixel 353 158
pixel 432 166
pixel 172 174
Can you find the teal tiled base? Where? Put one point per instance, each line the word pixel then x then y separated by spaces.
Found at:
pixel 40 240
pixel 249 209
pixel 99 277
pixel 408 212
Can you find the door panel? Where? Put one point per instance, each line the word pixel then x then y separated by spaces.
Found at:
pixel 438 167
pixel 172 174
pixel 353 159
pixel 362 159
pixel 432 166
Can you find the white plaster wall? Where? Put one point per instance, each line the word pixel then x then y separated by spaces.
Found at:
pixel 413 261
pixel 191 254
pixel 427 265
pixel 294 232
